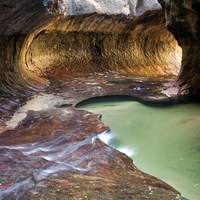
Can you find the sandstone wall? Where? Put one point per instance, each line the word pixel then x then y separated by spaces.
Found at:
pixel 38 41
pixel 183 21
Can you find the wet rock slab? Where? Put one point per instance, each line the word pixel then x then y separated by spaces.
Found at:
pixel 55 152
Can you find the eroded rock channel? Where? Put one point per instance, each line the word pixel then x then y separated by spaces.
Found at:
pixel 56 153
pixel 50 61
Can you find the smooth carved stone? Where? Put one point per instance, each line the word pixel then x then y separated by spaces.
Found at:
pixel 57 153
pixel 33 51
pixel 182 20
pixel 77 88
pixel 56 44
pixel 88 49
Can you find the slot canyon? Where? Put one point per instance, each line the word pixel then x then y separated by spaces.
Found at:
pixel 55 54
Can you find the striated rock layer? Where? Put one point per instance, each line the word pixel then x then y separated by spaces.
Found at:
pixel 35 44
pixel 55 152
pixel 75 50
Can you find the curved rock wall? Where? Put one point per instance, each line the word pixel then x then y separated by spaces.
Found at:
pixel 183 21
pixel 96 43
pixel 42 39
pixel 37 43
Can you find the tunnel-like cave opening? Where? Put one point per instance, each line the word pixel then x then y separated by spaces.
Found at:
pixel 141 47
pixel 60 45
pixel 60 60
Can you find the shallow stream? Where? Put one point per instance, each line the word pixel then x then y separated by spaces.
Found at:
pixel 163 140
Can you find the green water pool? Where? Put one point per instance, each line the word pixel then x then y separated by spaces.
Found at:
pixel 163 140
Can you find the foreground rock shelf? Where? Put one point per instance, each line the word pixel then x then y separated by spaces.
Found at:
pixel 56 153
pixel 57 53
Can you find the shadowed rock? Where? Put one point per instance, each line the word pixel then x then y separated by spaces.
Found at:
pixel 54 151
pixel 182 20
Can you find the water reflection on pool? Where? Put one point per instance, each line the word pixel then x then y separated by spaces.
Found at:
pixel 163 140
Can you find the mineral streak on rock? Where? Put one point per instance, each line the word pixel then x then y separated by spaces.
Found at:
pixel 35 44
pixel 56 152
pixel 76 50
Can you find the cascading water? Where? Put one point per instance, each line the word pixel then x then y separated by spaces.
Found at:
pixel 38 161
pixel 49 148
pixel 163 140
pixel 72 51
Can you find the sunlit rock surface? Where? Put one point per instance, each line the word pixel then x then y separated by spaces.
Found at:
pixel 54 43
pixel 77 7
pixel 66 52
pixel 37 44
